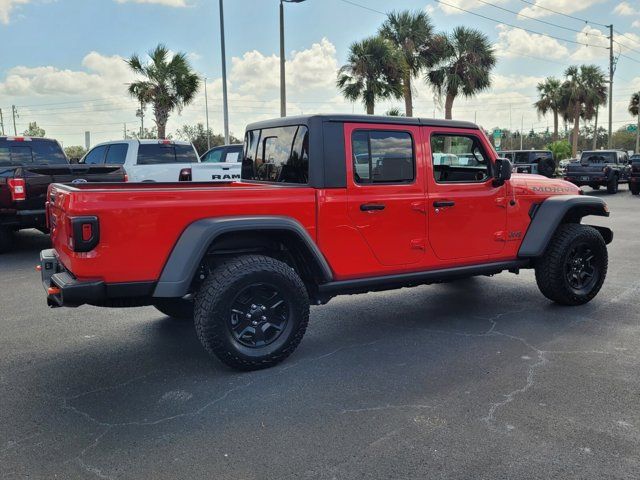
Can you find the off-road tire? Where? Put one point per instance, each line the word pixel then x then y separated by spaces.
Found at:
pixel 612 185
pixel 176 308
pixel 634 189
pixel 550 269
pixel 6 239
pixel 213 307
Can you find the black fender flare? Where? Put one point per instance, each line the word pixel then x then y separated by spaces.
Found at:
pixel 184 260
pixel 555 210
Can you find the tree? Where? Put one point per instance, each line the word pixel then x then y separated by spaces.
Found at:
pixel 574 95
pixel 147 134
pixel 596 96
pixel 550 100
pixel 167 83
pixel 34 130
pixel 373 71
pixel 411 33
pixel 561 149
pixel 197 135
pixel 394 112
pixel 465 66
pixel 75 152
pixel 634 110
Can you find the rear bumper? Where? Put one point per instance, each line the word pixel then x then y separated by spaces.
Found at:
pixel 25 219
pixel 64 290
pixel 587 179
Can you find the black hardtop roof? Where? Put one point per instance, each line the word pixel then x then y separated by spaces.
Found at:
pixel 341 118
pixel 603 151
pixel 533 150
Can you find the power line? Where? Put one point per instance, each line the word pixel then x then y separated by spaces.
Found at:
pixel 520 28
pixel 363 6
pixel 628 38
pixel 584 20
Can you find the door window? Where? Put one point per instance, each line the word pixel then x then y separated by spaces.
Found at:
pixel 213 156
pixel 95 156
pixel 458 158
pixel 382 157
pixel 117 154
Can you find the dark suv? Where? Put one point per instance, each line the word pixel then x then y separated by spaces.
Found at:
pixel 598 168
pixel 540 162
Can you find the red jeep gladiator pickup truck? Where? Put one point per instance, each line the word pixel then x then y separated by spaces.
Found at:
pixel 328 205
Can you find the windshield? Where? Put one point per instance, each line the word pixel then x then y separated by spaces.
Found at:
pixel 598 157
pixel 36 151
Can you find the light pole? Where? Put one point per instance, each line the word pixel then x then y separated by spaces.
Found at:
pixel 283 90
pixel 225 106
pixel 206 108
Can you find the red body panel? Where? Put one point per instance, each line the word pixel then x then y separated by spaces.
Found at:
pixel 140 223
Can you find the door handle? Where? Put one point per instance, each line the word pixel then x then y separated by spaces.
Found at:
pixel 368 207
pixel 443 203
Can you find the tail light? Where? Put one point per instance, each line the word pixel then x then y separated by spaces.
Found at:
pixel 84 233
pixel 18 189
pixel 126 177
pixel 185 175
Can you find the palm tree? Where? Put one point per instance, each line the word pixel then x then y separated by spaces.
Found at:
pixel 550 101
pixel 465 66
pixel 596 95
pixel 411 33
pixel 574 93
pixel 373 70
pixel 634 109
pixel 167 83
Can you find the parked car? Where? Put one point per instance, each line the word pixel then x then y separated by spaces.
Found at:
pixel 222 163
pixel 150 160
pixel 634 174
pixel 245 260
pixel 562 165
pixel 540 162
pixel 27 167
pixel 598 168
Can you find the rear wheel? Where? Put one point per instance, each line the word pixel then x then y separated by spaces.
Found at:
pixel 6 239
pixel 176 308
pixel 612 185
pixel 252 312
pixel 574 265
pixel 634 188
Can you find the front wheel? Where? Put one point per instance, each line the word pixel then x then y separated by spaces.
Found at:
pixel 612 185
pixel 574 265
pixel 634 188
pixel 251 312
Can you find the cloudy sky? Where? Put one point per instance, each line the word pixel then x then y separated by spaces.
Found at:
pixel 61 61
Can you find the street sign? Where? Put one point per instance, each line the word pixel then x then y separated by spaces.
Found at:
pixel 497 138
pixel 632 128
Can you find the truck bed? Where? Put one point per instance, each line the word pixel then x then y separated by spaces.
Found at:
pixel 140 222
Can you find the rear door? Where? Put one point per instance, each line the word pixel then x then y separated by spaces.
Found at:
pixel 385 189
pixel 467 214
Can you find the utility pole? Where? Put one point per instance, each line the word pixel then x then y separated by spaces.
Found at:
pixel 140 113
pixel 14 112
pixel 225 106
pixel 611 70
pixel 283 90
pixel 124 129
pixel 1 122
pixel 521 130
pixel 206 108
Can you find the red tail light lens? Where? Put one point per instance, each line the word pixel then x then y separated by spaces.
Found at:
pixel 18 189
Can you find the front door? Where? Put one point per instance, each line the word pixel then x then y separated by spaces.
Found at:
pixel 467 213
pixel 385 188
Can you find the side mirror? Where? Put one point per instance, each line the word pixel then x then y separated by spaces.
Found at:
pixel 502 172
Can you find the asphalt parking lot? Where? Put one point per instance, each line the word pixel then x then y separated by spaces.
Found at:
pixel 482 378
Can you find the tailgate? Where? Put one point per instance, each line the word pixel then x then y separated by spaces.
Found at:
pixel 216 172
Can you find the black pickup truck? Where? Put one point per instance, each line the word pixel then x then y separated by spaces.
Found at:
pixel 27 167
pixel 598 168
pixel 634 174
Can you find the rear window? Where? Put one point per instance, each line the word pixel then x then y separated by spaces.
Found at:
pixel 153 154
pixel 278 154
pixel 635 159
pixel 598 157
pixel 31 152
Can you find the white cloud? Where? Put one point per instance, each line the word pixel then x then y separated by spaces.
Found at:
pixel 514 82
pixel 625 9
pixel 636 24
pixel 6 6
pixel 595 39
pixel 562 6
pixel 514 42
pixel 168 3
pixel 312 68
pixel 464 4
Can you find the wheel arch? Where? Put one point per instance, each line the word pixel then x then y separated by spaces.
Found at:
pixel 555 211
pixel 233 234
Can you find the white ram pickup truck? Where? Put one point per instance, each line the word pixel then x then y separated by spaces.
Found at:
pixel 150 160
pixel 226 158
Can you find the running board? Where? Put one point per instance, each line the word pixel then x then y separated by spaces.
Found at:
pixel 389 282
